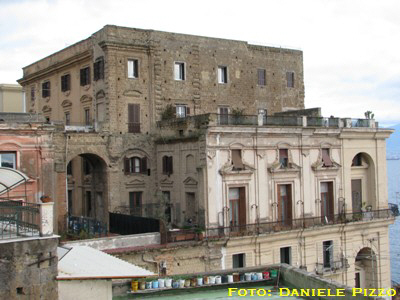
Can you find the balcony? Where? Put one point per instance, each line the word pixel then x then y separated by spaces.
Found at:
pixel 297 224
pixel 335 266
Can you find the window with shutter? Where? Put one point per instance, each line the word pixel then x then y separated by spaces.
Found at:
pixel 261 77
pixel 167 162
pixel 222 74
pixel 134 118
pixel 283 158
pixel 237 159
pixel 133 68
pixel 290 79
pixel 326 160
pixel 98 69
pixel 65 82
pixel 181 111
pixel 85 76
pixel 179 71
pixel 46 89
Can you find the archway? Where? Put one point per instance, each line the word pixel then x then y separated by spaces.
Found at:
pixel 363 191
pixel 366 275
pixel 87 194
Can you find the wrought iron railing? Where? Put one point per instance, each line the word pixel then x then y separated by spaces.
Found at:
pixel 78 225
pixel 18 219
pixel 293 224
pixel 133 127
pixel 332 266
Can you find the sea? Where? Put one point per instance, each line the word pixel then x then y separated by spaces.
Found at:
pixel 393 173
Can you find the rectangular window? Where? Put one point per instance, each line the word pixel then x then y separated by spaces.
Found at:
pixel 238 260
pixel 69 168
pixel 223 115
pixel 286 255
pixel 8 160
pixel 283 158
pixel 85 76
pixel 67 118
pixel 32 93
pixel 46 89
pixel 290 79
pixel 168 167
pixel 261 77
pixel 98 69
pixel 135 203
pixel 327 247
pixel 87 116
pixel 222 74
pixel 179 71
pixel 136 165
pixel 237 159
pixel 65 82
pixel 182 111
pixel 133 68
pixel 285 204
pixel 326 159
pixel 134 118
pixel 88 196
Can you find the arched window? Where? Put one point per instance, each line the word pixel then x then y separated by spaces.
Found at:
pixel 190 163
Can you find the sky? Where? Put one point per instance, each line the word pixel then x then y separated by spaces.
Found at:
pixel 350 48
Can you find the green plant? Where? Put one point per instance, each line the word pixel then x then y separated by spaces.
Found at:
pixel 237 112
pixel 369 115
pixel 168 113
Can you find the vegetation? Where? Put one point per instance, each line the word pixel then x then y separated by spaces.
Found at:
pixel 168 113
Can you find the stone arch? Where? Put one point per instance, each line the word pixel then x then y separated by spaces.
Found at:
pixel 366 269
pixel 87 185
pixel 363 191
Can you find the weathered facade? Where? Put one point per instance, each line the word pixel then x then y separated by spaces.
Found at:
pixel 182 128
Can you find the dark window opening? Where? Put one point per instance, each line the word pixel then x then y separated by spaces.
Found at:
pixel 239 260
pixel 167 165
pixel 134 118
pixel 85 76
pixel 357 160
pixel 70 195
pixel 283 158
pixel 88 195
pixel 237 159
pixel 286 254
pixel 67 118
pixel 69 168
pixel 87 168
pixel 290 79
pixel 65 83
pixel 32 93
pixel 98 69
pixel 222 74
pixel 326 159
pixel 328 253
pixel 261 77
pixel 46 89
pixel 87 116
pixel 135 203
pixel 133 68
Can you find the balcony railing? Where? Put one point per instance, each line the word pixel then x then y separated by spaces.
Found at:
pixel 293 224
pixel 18 219
pixel 237 120
pixel 93 227
pixel 282 121
pixel 322 122
pixel 332 266
pixel 133 127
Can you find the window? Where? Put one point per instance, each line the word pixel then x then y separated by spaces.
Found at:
pixel 261 77
pixel 179 71
pixel 136 165
pixel 134 118
pixel 166 195
pixel 167 165
pixel 87 168
pixel 237 208
pixel 69 168
pixel 327 247
pixel 133 68
pixel 87 116
pixel 46 89
pixel 223 115
pixel 67 118
pixel 290 79
pixel 32 93
pixel 85 76
pixel 357 160
pixel 182 111
pixel 286 254
pixel 326 160
pixel 239 260
pixel 237 159
pixel 135 203
pixel 65 82
pixel 7 160
pixel 283 158
pixel 88 195
pixel 98 69
pixel 222 74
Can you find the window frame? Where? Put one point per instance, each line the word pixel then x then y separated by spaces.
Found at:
pixel 46 88
pixel 167 165
pixel 66 82
pixel 14 159
pixel 237 159
pixel 261 81
pixel 180 73
pixel 222 74
pixel 86 116
pixel 185 111
pixel 290 79
pixel 84 76
pixel 326 158
pixel 98 69
pixel 33 96
pixel 284 158
pixel 67 116
pixel 135 69
pixel 131 167
pixel 327 248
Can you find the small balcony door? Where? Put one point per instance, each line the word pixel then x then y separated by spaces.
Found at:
pixel 327 210
pixel 237 208
pixel 285 204
pixel 356 195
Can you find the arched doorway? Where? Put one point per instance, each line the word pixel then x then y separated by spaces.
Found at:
pixel 366 275
pixel 87 187
pixel 363 191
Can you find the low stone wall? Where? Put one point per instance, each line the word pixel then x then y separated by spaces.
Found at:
pixel 124 241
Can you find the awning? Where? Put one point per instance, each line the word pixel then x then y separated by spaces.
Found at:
pixel 10 178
